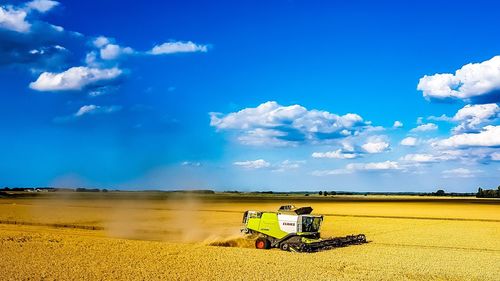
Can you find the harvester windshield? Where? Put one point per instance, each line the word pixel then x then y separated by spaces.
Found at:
pixel 311 224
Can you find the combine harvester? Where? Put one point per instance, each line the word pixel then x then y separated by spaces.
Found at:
pixel 292 229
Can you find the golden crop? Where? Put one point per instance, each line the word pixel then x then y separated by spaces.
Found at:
pixel 146 238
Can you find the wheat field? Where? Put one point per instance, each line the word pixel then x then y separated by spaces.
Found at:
pixel 143 236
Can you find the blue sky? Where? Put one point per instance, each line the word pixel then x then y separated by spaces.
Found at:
pixel 250 95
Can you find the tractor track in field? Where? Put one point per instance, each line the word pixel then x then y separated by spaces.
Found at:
pixel 56 225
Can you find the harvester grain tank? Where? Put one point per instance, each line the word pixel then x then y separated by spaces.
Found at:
pixel 292 229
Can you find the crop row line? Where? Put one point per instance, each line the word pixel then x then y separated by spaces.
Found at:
pixel 58 225
pixel 438 247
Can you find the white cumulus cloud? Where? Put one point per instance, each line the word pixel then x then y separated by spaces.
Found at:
pixel 409 141
pixel 42 6
pixel 397 124
pixel 113 51
pixel 108 50
pixel 489 136
pixel 470 81
pixel 375 146
pixel 178 47
pixel 425 128
pixel 75 78
pixel 472 117
pixel 14 19
pixel 101 41
pixel 274 124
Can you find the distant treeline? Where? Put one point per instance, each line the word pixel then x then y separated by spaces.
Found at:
pixel 439 192
pixel 80 189
pixel 45 189
pixel 195 191
pixel 51 189
pixel 481 193
pixel 488 193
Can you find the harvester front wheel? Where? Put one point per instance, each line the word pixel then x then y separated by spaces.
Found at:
pixel 262 243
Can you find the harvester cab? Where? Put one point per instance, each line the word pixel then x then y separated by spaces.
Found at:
pixel 292 229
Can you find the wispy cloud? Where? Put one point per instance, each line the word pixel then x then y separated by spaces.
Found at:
pixel 424 158
pixel 374 166
pixel 336 154
pixel 495 156
pixel 282 166
pixel 88 110
pixel 322 173
pixel 178 47
pixel 460 173
pixel 96 109
pixel 443 117
pixel 253 164
pixel 287 165
pixel 191 164
pixel 361 167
